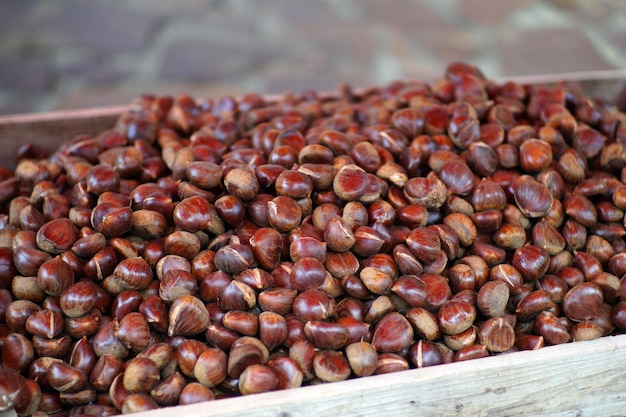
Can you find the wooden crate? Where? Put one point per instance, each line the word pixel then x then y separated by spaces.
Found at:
pixel 576 379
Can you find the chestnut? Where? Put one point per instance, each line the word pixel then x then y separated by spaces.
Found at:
pixel 391 362
pixel 533 198
pixel 331 366
pixel 493 298
pixel 392 333
pixel 496 335
pixel 287 371
pixel 187 316
pixel 167 392
pixel 45 323
pixel 140 375
pixel 350 182
pixel 456 316
pixel 583 301
pixel 531 261
pixel 138 402
pixel 195 392
pixel 534 155
pixel 257 378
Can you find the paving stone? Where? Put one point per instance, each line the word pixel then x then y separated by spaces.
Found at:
pixel 95 71
pixel 78 53
pixel 18 73
pixel 444 46
pixel 295 12
pixel 418 28
pixel 19 103
pixel 595 11
pixel 17 17
pixel 200 60
pixel 551 50
pixel 105 26
pixel 350 41
pixel 620 42
pixel 222 27
pixel 489 12
pixel 172 8
pixel 405 16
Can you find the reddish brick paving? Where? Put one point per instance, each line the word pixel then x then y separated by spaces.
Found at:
pixel 74 53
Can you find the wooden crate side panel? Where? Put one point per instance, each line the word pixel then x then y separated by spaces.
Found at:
pixel 49 130
pixel 577 379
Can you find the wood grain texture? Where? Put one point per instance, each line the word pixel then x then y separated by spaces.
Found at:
pixel 576 379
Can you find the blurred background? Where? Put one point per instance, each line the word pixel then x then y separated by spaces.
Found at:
pixel 70 54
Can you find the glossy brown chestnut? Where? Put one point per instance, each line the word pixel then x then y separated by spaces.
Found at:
pixel 583 301
pixel 533 198
pixel 287 371
pixel 187 316
pixel 531 261
pixel 392 333
pixel 256 379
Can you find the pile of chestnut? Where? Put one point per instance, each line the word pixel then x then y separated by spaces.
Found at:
pixel 203 249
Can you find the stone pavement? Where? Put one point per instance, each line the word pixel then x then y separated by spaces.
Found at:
pixel 69 54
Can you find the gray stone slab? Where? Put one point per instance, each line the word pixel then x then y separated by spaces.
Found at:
pixel 106 26
pixel 548 50
pixel 200 60
pixel 17 73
